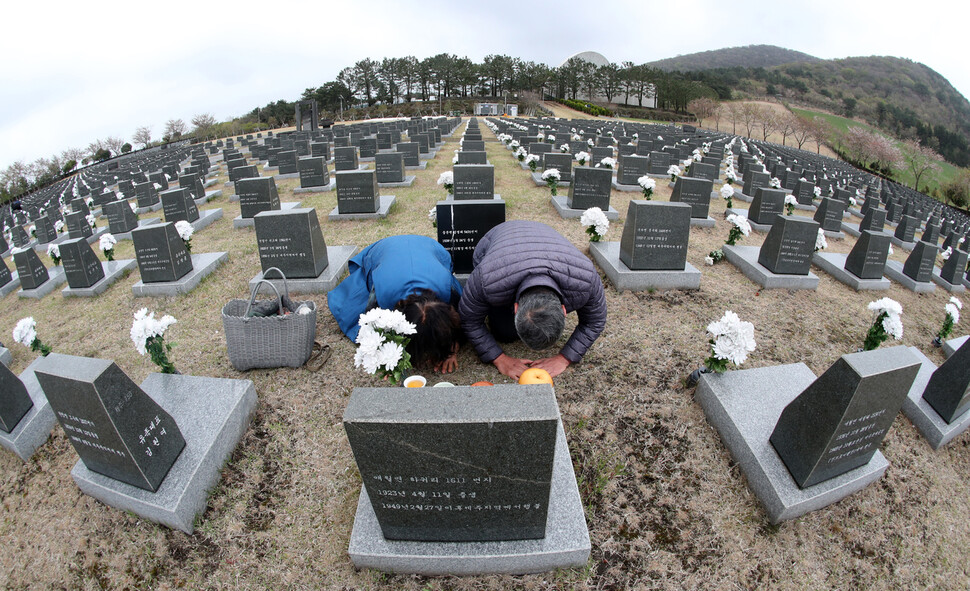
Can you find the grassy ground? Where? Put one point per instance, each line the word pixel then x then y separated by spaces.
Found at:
pixel 666 505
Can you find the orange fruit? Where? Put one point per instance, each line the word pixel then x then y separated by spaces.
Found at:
pixel 483 383
pixel 534 375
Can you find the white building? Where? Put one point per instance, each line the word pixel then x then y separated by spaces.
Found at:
pixel 599 60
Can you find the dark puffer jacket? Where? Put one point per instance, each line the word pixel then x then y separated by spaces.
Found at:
pixel 516 255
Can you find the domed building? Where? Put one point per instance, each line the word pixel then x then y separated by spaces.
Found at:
pixel 599 60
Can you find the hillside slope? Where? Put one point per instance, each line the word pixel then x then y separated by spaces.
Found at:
pixel 749 56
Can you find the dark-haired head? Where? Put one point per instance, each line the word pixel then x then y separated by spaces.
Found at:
pixel 539 318
pixel 438 328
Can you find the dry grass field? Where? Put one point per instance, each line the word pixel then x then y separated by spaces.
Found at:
pixel 667 507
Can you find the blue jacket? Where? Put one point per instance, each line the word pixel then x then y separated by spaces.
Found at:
pixel 392 268
pixel 516 255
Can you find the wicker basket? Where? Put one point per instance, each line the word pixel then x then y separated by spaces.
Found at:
pixel 270 341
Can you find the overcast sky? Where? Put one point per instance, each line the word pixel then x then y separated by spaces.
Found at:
pixel 73 73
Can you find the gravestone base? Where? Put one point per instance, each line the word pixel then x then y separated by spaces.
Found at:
pixel 289 175
pixel 241 222
pixel 212 181
pixel 407 182
pixel 34 427
pixel 834 235
pixel 907 246
pixel 745 258
pixel 607 256
pixel 894 270
pixel 386 202
pixel 202 265
pixel 851 229
pixel 833 263
pixel 744 213
pixel 141 224
pixel 153 208
pixel 212 414
pixel 950 347
pixel 113 271
pixel 317 189
pixel 42 247
pixel 337 257
pixel 856 212
pixel 801 207
pixel 744 407
pixel 209 196
pixel 207 217
pixel 421 166
pixel 923 416
pixel 742 197
pixel 950 287
pixel 566 544
pixel 11 286
pixel 627 188
pixel 559 202
pixel 537 179
pixel 6 357
pixel 707 222
pixel 56 278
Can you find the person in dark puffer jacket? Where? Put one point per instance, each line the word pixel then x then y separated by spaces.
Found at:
pixel 526 278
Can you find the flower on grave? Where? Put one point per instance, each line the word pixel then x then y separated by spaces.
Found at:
pixel 686 163
pixel 890 250
pixel 945 254
pixel 852 201
pixel 541 137
pixel 32 230
pixel 90 201
pixel 817 191
pixel 952 309
pixel 886 324
pixel 790 202
pixel 774 182
pixel 590 142
pixel 551 176
pixel 820 242
pixel 532 161
pixel 107 244
pixel 185 231
pixel 715 256
pixel 660 137
pixel 133 206
pixel 54 252
pixel 595 222
pixel 582 158
pixel 551 139
pixel 447 179
pixel 25 333
pixel 648 185
pixel 514 144
pixel 564 148
pixel 731 341
pixel 148 334
pixel 58 226
pixel 727 193
pixel 520 154
pixel 454 159
pixel 698 156
pixel 730 176
pixel 90 220
pixel 739 228
pixel 433 216
pixel 674 172
pixel 607 163
pixel 383 339
pixel 576 137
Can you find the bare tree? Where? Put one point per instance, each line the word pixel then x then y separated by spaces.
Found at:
pixel 75 154
pixel 143 136
pixel 734 115
pixel 819 129
pixel 716 116
pixel 767 120
pixel 114 144
pixel 203 122
pixel 919 159
pixel 748 114
pixel 786 125
pixel 801 131
pixel 174 128
pixel 702 108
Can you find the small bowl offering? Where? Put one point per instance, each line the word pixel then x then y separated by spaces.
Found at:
pixel 415 382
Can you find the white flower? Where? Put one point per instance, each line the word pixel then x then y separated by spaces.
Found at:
pixel 90 220
pixel 709 260
pixel 531 158
pixel 790 200
pixel 58 226
pixel 727 191
pixel 53 251
pixel 520 152
pixel 158 187
pixel 392 320
pixel 551 138
pixel 817 191
pixel 595 217
pixel 90 202
pixel 541 136
pixel 433 214
pixel 887 305
pixel 674 170
pixel 446 178
pixel 820 242
pixel 590 142
pixel 26 331
pixel 893 325
pixel 551 173
pixel 133 206
pixel 774 182
pixel 646 182
pixel 184 229
pixel 368 338
pixel 740 222
pixel 890 249
pixel 576 137
pixel 733 338
pixel 852 201
pixel 956 302
pixel 145 327
pixel 514 144
pixel 583 157
pixel 564 148
pixel 953 312
pixel 454 159
pixel 608 162
pixel 389 354
pixel 107 242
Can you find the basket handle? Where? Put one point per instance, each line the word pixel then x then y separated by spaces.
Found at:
pixel 252 298
pixel 286 287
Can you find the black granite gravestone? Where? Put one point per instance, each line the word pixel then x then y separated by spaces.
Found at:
pixel 313 172
pixel 161 253
pixel 561 162
pixel 948 390
pixel 178 205
pixel 114 426
pixel 788 248
pixel 473 146
pixel 906 230
pixel 699 170
pixel 411 151
pixel 146 195
pixel 287 163
pixel 357 192
pixel 474 181
pixel 631 168
pixel 919 264
pixel 655 236
pixel 345 158
pixel 389 167
pixel 19 236
pixel 121 218
pixel 837 423
pixel 30 269
pixel 462 224
pixel 256 195
pixel 5 275
pixel 757 180
pixel 658 162
pixel 954 267
pixel 867 259
pixel 694 192
pixel 291 241
pixel 14 399
pixel 804 192
pixel 829 214
pixel 81 266
pixel 590 187
pixel 368 147
pixel 44 227
pixel 465 157
pixel 873 220
pixel 766 204
pixel 77 225
pixel 455 464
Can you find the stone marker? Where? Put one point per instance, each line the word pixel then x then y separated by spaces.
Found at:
pixel 948 390
pixel 77 226
pixel 81 266
pixel 561 162
pixel 694 192
pixel 345 158
pixel 465 157
pixel 829 214
pixel 161 253
pixel 357 192
pixel 867 259
pixel 178 205
pixel 921 262
pixel 121 218
pixel 474 181
pixel 462 224
pixel 767 204
pixel 411 151
pixel 30 269
pixel 256 195
pixel 116 429
pixel 313 172
pixel 590 187
pixel 906 230
pixel 14 400
pixel 874 220
pixel 788 248
pixel 655 235
pixel 631 168
pixel 291 241
pixel 836 424
pixel 389 167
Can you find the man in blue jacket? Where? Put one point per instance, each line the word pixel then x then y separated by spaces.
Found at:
pixel 526 278
pixel 414 275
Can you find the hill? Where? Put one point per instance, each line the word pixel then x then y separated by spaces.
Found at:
pixel 749 56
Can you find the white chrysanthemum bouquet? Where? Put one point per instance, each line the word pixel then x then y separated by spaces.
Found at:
pixel 447 179
pixel 740 227
pixel 382 340
pixel 886 324
pixel 107 243
pixel 148 334
pixel 595 222
pixel 731 341
pixel 54 252
pixel 582 158
pixel 648 185
pixel 25 333
pixel 185 231
pixel 532 161
pixel 551 176
pixel 790 203
pixel 674 171
pixel 951 319
pixel 727 193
